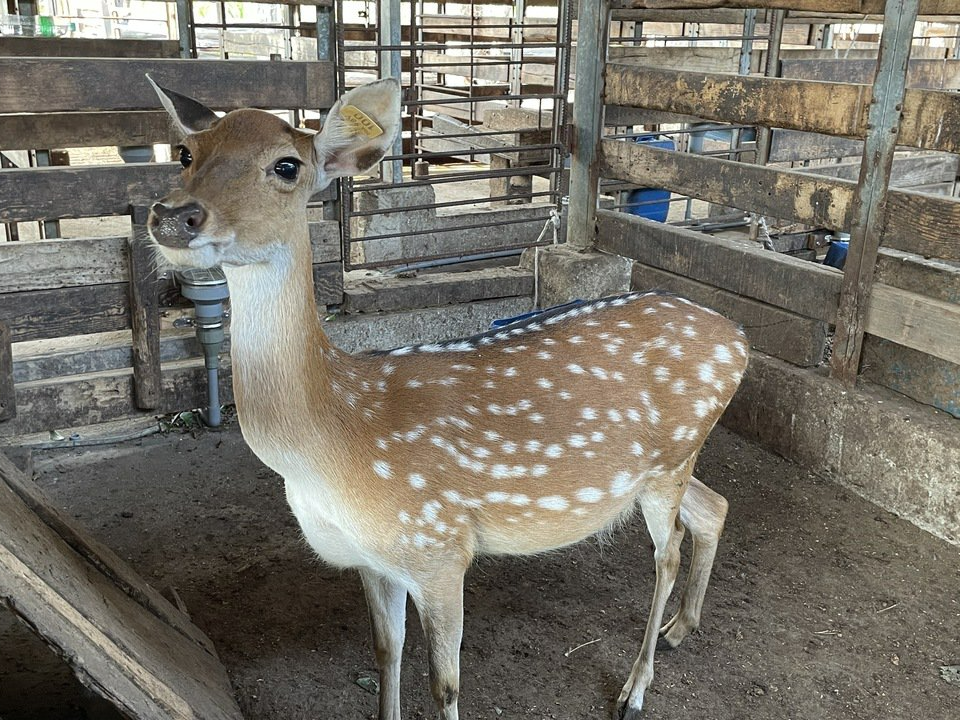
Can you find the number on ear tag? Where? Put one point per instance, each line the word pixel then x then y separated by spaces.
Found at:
pixel 360 123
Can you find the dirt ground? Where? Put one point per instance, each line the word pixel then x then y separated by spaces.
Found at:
pixel 821 606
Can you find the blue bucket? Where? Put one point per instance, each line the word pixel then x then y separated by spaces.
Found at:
pixel 650 203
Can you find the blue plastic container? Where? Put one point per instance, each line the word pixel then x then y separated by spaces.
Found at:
pixel 651 203
pixel 837 252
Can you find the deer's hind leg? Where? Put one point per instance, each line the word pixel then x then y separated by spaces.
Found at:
pixel 660 503
pixel 703 512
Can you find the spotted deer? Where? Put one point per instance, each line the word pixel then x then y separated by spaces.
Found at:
pixel 407 464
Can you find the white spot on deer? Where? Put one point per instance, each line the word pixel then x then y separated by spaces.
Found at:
pixel 597 437
pixel 510 372
pixel 659 342
pixel 576 369
pixel 421 541
pixel 675 351
pixel 621 484
pixel 575 340
pixel 649 311
pixel 740 348
pixel 497 497
pixel 553 451
pixel 544 355
pixel 614 416
pixel 429 510
pixel 577 441
pixel 460 367
pixel 382 469
pixel 611 348
pixel 417 481
pixel 705 372
pixel 548 341
pixel 665 304
pixel 536 418
pixel 689 332
pixel 404 517
pixel 701 408
pixel 636 448
pixel 509 447
pixel 633 415
pixel 481 452
pixel 653 415
pixel 519 499
pixel 591 322
pixel 639 358
pixel 624 324
pixel 431 348
pixel 588 413
pixel 553 502
pixel 599 373
pixel 721 353
pixel 472 409
pixel 388 368
pixel 661 374
pixel 539 470
pixel 491 435
pixel 382 443
pixel 489 385
pixel 565 395
pixel 460 346
pixel 589 495
pixel 402 351
pixel 680 433
pixel 532 446
pixel 679 387
pixel 414 383
pixel 545 383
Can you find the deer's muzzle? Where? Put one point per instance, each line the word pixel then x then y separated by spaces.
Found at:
pixel 175 227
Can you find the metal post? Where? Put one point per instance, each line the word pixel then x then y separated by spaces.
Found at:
pixel 870 198
pixel 325 38
pixel 389 22
pixel 587 122
pixel 184 27
pixel 516 53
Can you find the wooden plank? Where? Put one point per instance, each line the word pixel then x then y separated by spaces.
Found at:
pixel 8 397
pixel 689 59
pixel 940 74
pixel 831 7
pixel 926 379
pixel 803 288
pixel 932 278
pixel 81 85
pixel 392 294
pixel 48 264
pixel 99 555
pixel 914 320
pixel 774 193
pixel 790 337
pixel 931 119
pixel 102 396
pixel 114 645
pixel 70 130
pixel 796 146
pixel 54 193
pixel 907 170
pixel 11 46
pixel 144 314
pixel 917 222
pixel 328 283
pixel 66 311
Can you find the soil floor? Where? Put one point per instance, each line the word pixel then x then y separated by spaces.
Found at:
pixel 821 605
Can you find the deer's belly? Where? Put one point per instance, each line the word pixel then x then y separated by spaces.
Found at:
pixel 327 534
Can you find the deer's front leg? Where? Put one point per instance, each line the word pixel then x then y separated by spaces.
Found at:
pixel 440 605
pixel 387 604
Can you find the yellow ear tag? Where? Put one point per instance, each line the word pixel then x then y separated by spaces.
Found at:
pixel 360 123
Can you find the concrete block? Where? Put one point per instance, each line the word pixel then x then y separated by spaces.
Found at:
pixel 392 198
pixel 565 274
pixel 901 455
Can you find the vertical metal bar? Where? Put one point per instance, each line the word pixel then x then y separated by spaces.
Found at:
pixel 185 28
pixel 870 198
pixel 587 122
pixel 515 75
pixel 389 24
pixel 325 39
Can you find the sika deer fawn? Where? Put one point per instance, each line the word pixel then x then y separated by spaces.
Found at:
pixel 407 464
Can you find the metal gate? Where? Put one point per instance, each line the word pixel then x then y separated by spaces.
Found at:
pixel 478 171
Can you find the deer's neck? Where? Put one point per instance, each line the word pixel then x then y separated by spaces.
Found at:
pixel 283 364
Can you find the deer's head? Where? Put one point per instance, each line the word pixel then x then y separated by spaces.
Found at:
pixel 247 176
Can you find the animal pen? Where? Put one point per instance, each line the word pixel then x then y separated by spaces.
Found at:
pixel 791 164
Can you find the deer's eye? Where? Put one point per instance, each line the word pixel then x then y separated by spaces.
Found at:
pixel 287 168
pixel 186 159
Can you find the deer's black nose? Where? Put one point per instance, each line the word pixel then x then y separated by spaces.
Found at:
pixel 176 226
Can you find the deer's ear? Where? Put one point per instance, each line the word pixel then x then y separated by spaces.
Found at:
pixel 189 115
pixel 359 131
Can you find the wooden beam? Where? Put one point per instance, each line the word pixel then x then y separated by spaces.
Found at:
pixel 8 397
pixel 931 119
pixel 13 46
pixel 117 647
pixel 939 74
pixel 53 193
pixel 144 314
pixel 798 340
pixel 831 7
pixel 870 197
pixel 109 395
pixel 71 262
pixel 917 222
pixel 89 85
pixel 803 288
pixel 69 130
pixel 66 311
